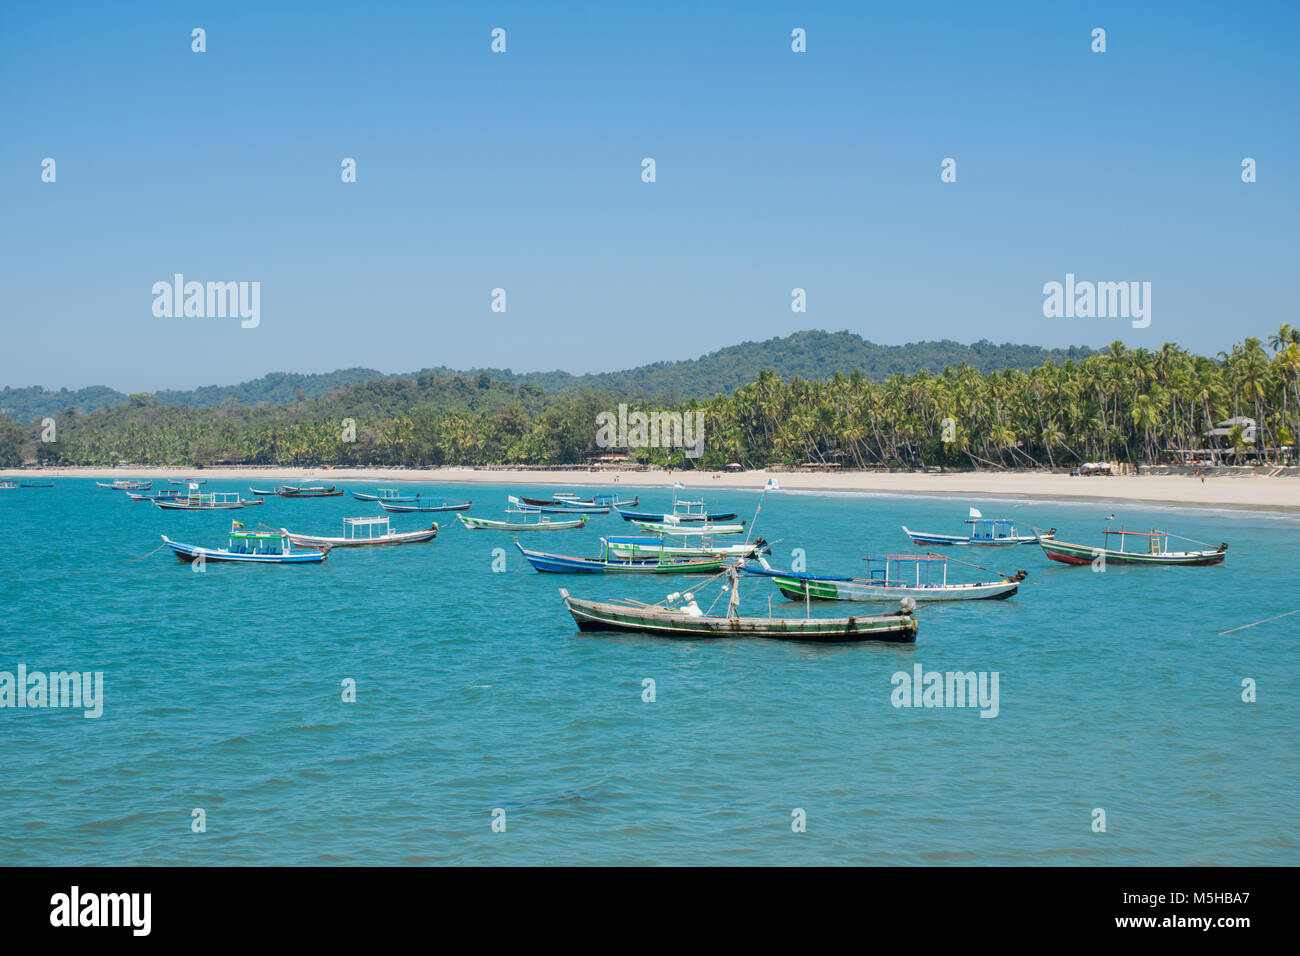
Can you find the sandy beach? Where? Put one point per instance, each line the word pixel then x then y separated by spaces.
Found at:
pixel 1241 490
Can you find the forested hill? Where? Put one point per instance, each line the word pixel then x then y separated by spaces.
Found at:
pixel 812 355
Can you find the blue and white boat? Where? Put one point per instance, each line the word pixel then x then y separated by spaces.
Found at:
pixel 385 494
pixel 249 547
pixel 608 562
pixel 984 531
pixel 682 511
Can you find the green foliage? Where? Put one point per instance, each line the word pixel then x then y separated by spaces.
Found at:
pixel 1133 405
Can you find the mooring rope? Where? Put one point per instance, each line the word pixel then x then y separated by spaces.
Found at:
pixel 1265 621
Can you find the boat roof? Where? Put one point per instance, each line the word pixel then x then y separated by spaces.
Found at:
pixel 377 519
pixel 910 558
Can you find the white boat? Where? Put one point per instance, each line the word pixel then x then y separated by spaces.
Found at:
pixel 364 531
pixel 890 581
pixel 662 547
pixel 984 531
pixel 661 527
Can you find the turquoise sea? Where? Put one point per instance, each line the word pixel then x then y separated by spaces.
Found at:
pixel 223 691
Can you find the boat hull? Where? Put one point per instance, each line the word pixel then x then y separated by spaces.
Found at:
pixel 1078 554
pixel 661 517
pixel 180 504
pixel 599 616
pixel 565 564
pixel 625 547
pixel 486 524
pixel 408 509
pixel 693 529
pixel 847 589
pixel 947 540
pixel 553 508
pixel 403 537
pixel 189 553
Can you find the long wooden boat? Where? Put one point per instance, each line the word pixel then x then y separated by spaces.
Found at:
pixel 607 562
pixel 888 583
pixel 359 532
pixel 689 621
pixel 984 532
pixel 562 508
pixel 265 493
pixel 187 481
pixel 544 524
pixel 643 546
pixel 425 505
pixel 126 485
pixel 35 484
pixel 8 485
pixel 249 547
pixel 313 491
pixel 215 501
pixel 162 494
pixel 1157 551
pixel 385 494
pixel 657 527
pixel 605 501
pixel 682 511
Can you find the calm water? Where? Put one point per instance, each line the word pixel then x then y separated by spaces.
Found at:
pixel 476 692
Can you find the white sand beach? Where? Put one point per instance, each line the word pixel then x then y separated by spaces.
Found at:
pixel 1242 489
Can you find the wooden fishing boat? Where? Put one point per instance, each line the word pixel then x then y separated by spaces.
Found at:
pixel 8 485
pixel 984 531
pixel 35 484
pixel 633 546
pixel 311 491
pixel 606 562
pixel 385 494
pixel 545 523
pixel 126 485
pixel 657 527
pixel 250 548
pixel 605 501
pixel 162 494
pixel 215 501
pixel 1156 550
pixel 426 505
pixel 688 620
pixel 888 582
pixel 561 508
pixel 365 531
pixel 682 511
pixel 187 481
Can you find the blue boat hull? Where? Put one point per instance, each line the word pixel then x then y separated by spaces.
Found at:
pixel 642 516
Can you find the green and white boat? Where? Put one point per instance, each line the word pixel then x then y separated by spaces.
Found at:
pixel 544 523
pixel 679 615
pixel 921 577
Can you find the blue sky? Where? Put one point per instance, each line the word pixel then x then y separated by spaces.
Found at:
pixel 522 171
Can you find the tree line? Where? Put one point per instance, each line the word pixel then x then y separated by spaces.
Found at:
pixel 1133 405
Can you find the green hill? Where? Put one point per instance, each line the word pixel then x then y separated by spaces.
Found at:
pixel 810 355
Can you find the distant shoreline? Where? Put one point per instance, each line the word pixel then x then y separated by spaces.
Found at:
pixel 1237 491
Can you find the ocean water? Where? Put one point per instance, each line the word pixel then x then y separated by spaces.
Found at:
pixel 475 692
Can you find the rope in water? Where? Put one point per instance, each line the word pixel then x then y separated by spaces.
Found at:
pixel 1265 621
pixel 150 554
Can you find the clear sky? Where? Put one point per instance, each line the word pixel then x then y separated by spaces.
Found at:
pixel 522 171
